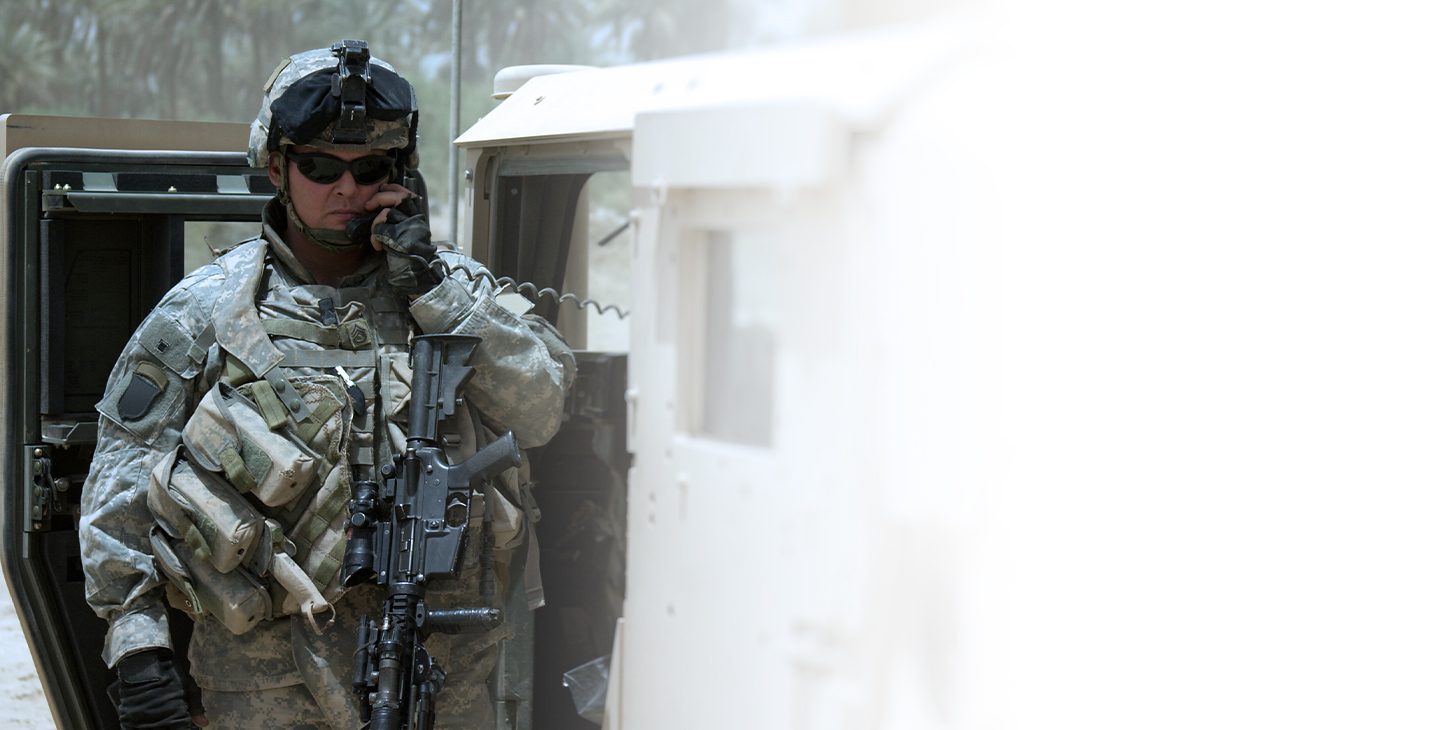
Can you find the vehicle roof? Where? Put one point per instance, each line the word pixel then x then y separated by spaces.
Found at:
pixel 857 77
pixel 49 130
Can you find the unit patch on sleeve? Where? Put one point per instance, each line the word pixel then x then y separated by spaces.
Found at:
pixel 142 401
pixel 146 383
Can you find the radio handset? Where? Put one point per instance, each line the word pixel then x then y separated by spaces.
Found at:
pixel 359 229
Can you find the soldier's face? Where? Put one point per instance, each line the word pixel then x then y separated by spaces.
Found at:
pixel 327 205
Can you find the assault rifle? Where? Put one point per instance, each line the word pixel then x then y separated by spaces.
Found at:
pixel 409 531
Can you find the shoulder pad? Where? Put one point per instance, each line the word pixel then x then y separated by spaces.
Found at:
pixel 237 323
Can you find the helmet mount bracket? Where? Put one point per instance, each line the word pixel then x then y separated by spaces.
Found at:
pixel 348 83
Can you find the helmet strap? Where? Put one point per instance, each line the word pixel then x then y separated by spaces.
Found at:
pixel 327 239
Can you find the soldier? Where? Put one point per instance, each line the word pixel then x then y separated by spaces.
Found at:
pixel 304 332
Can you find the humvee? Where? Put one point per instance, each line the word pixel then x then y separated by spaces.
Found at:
pixel 730 511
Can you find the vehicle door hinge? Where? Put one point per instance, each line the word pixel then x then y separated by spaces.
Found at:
pixel 43 494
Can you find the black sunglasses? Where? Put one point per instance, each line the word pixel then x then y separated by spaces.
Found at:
pixel 326 169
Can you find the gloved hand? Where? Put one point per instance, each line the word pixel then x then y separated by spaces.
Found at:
pixel 405 234
pixel 152 695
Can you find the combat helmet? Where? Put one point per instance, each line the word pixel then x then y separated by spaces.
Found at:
pixel 340 98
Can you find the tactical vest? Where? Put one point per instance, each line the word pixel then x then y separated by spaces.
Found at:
pixel 251 508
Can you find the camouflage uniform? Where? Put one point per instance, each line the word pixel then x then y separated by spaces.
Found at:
pixel 259 306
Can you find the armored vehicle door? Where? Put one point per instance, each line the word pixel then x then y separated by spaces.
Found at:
pixel 555 220
pixel 93 239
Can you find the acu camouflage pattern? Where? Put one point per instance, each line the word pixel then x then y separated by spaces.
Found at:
pixel 295 707
pixel 380 135
pixel 226 307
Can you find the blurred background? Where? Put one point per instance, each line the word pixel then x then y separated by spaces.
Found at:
pixel 205 60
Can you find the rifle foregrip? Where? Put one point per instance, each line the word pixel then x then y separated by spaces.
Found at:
pixel 461 620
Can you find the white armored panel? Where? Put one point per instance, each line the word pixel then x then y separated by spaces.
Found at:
pixel 1188 249
pixel 769 146
pixel 793 531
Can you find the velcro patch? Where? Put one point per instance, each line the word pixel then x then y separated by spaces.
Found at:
pixel 171 345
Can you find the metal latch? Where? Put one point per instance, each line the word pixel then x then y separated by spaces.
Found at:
pixel 42 497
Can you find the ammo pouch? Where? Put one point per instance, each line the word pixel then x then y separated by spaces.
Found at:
pixel 203 532
pixel 247 440
pixel 223 556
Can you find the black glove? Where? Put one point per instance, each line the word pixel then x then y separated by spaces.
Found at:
pixel 151 692
pixel 405 234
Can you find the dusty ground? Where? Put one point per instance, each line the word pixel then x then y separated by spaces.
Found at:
pixel 22 704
